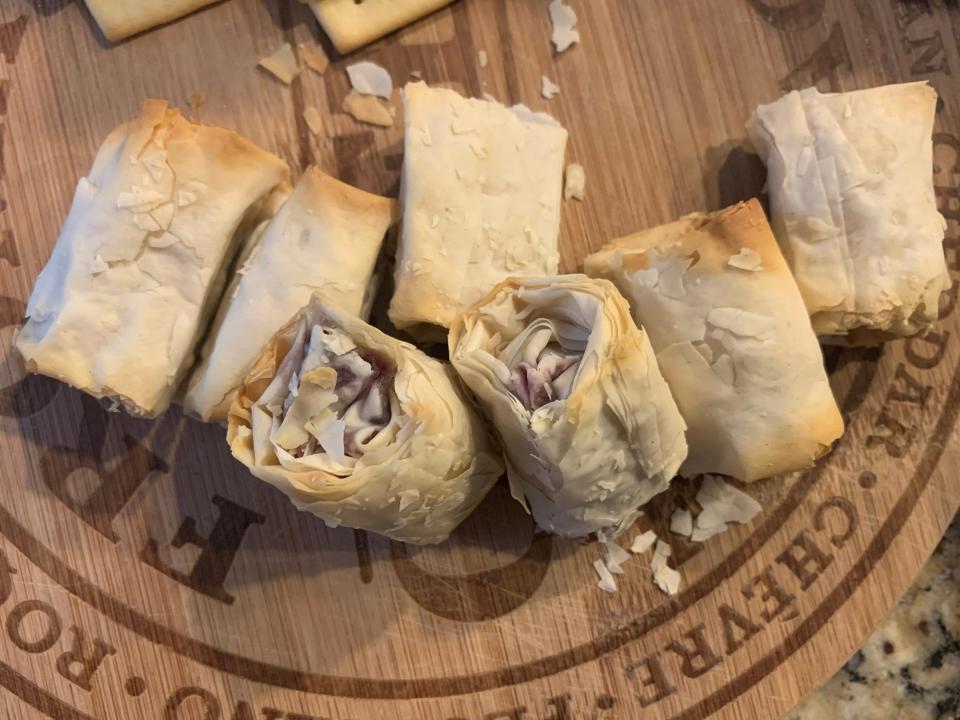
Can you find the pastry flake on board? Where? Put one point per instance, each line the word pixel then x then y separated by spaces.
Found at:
pixel 571 384
pixel 367 108
pixel 142 257
pixel 361 429
pixel 853 207
pixel 481 188
pixel 351 24
pixel 574 182
pixel 282 64
pixel 119 19
pixel 735 347
pixel 368 78
pixel 325 238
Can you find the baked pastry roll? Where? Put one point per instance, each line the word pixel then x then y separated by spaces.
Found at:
pixel 351 24
pixel 480 191
pixel 141 260
pixel 853 207
pixel 732 338
pixel 325 237
pixel 361 429
pixel 122 18
pixel 587 422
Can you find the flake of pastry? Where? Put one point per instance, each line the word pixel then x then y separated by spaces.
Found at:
pixel 367 108
pixel 575 182
pixel 643 542
pixel 746 259
pixel 368 78
pixel 314 57
pixel 681 522
pixel 282 64
pixel 313 119
pixel 606 582
pixel 548 88
pixel 482 58
pixel 564 20
pixel 667 579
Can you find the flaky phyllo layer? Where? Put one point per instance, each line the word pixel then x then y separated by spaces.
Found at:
pixel 853 207
pixel 590 430
pixel 361 429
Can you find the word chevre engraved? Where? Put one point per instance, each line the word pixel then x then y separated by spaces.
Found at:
pixel 769 595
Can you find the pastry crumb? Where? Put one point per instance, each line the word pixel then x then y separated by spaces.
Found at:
pixel 282 64
pixel 312 117
pixel 575 182
pixel 367 108
pixel 564 19
pixel 314 57
pixel 368 78
pixel 548 88
pixel 482 58
pixel 606 583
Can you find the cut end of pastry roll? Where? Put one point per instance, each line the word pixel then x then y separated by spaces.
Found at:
pixel 853 207
pixel 326 237
pixel 119 19
pixel 481 193
pixel 351 24
pixel 572 387
pixel 139 265
pixel 361 429
pixel 732 338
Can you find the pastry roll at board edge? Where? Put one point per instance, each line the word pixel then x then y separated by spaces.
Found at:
pixel 351 24
pixel 853 207
pixel 362 429
pixel 141 259
pixel 480 194
pixel 732 338
pixel 587 422
pixel 326 237
pixel 119 19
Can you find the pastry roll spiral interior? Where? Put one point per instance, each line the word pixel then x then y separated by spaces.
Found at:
pixel 571 384
pixel 362 429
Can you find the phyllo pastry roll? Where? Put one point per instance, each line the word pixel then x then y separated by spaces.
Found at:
pixel 853 206
pixel 361 429
pixel 326 237
pixel 572 387
pixel 480 190
pixel 142 257
pixel 351 24
pixel 732 338
pixel 122 18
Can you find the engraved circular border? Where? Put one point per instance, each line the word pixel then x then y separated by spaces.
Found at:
pixel 395 689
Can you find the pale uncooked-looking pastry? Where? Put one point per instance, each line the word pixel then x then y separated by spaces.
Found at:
pixel 141 260
pixel 326 237
pixel 361 429
pixel 853 207
pixel 733 341
pixel 353 23
pixel 571 384
pixel 122 18
pixel 481 191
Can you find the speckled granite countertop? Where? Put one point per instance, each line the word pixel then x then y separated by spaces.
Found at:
pixel 909 668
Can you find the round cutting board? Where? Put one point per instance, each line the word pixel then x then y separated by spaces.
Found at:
pixel 144 574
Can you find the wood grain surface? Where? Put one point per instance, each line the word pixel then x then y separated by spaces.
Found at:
pixel 143 574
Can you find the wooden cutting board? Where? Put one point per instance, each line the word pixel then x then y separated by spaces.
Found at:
pixel 143 574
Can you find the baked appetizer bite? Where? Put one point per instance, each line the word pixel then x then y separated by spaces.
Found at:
pixel 732 338
pixel 142 258
pixel 588 425
pixel 853 207
pixel 361 429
